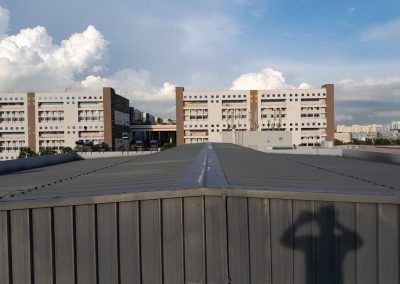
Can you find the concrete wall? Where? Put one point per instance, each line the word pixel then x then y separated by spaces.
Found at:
pixel 36 162
pixel 202 236
pixel 309 151
pixel 390 158
pixel 258 140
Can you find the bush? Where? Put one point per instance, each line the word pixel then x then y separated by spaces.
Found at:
pixel 167 145
pixel 382 141
pixel 47 151
pixel 26 152
pixel 338 142
pixel 66 150
pixel 105 146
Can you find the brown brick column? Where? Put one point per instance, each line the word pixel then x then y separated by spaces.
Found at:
pixel 330 111
pixel 253 110
pixel 107 109
pixel 31 116
pixel 179 116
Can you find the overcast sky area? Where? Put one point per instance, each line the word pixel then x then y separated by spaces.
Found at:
pixel 145 48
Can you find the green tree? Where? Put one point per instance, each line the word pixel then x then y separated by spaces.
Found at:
pixel 66 150
pixel 26 152
pixel 382 141
pixel 338 142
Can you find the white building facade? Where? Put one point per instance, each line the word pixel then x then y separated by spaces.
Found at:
pixel 55 120
pixel 13 124
pixel 307 113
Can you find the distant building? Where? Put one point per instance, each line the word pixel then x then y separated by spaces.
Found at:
pixel 40 120
pixel 360 132
pixel 355 128
pixel 307 114
pixel 343 136
pixel 395 125
pixel 148 118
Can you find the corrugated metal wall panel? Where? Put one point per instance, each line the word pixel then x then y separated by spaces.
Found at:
pixel 64 239
pixel 4 248
pixel 151 241
pixel 42 245
pixel 216 241
pixel 107 243
pixel 346 265
pixel 21 247
pixel 202 239
pixel 367 258
pixel 238 240
pixel 129 242
pixel 303 254
pixel 194 245
pixel 259 240
pixel 281 241
pixel 388 244
pixel 172 234
pixel 86 244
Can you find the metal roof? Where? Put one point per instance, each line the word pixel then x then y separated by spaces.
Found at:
pixel 202 165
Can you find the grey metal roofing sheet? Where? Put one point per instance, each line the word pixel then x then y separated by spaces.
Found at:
pixel 247 168
pixel 168 170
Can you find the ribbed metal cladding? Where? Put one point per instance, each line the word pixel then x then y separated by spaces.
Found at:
pixel 205 238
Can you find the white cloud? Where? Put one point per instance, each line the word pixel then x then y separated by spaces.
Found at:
pixel 343 117
pixel 31 61
pixel 374 89
pixel 268 78
pixel 138 87
pixel 204 32
pixel 388 31
pixel 4 19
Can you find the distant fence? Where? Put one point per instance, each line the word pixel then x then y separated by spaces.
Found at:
pixel 202 236
pixel 112 154
pixel 36 162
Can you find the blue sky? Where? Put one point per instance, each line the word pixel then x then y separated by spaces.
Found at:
pixel 145 48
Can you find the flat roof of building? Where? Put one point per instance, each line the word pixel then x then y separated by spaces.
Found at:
pixel 211 165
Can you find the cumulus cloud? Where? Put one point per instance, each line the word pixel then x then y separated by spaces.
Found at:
pixel 268 78
pixel 388 31
pixel 203 32
pixel 139 88
pixel 31 61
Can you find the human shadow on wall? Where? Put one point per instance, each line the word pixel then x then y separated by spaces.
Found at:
pixel 324 251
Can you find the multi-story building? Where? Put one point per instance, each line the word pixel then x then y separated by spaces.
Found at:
pixel 14 126
pixel 308 114
pixel 395 125
pixel 40 120
pixel 355 128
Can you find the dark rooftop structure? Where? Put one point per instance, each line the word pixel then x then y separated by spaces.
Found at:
pixel 202 213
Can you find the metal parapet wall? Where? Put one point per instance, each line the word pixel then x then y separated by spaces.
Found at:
pixel 201 236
